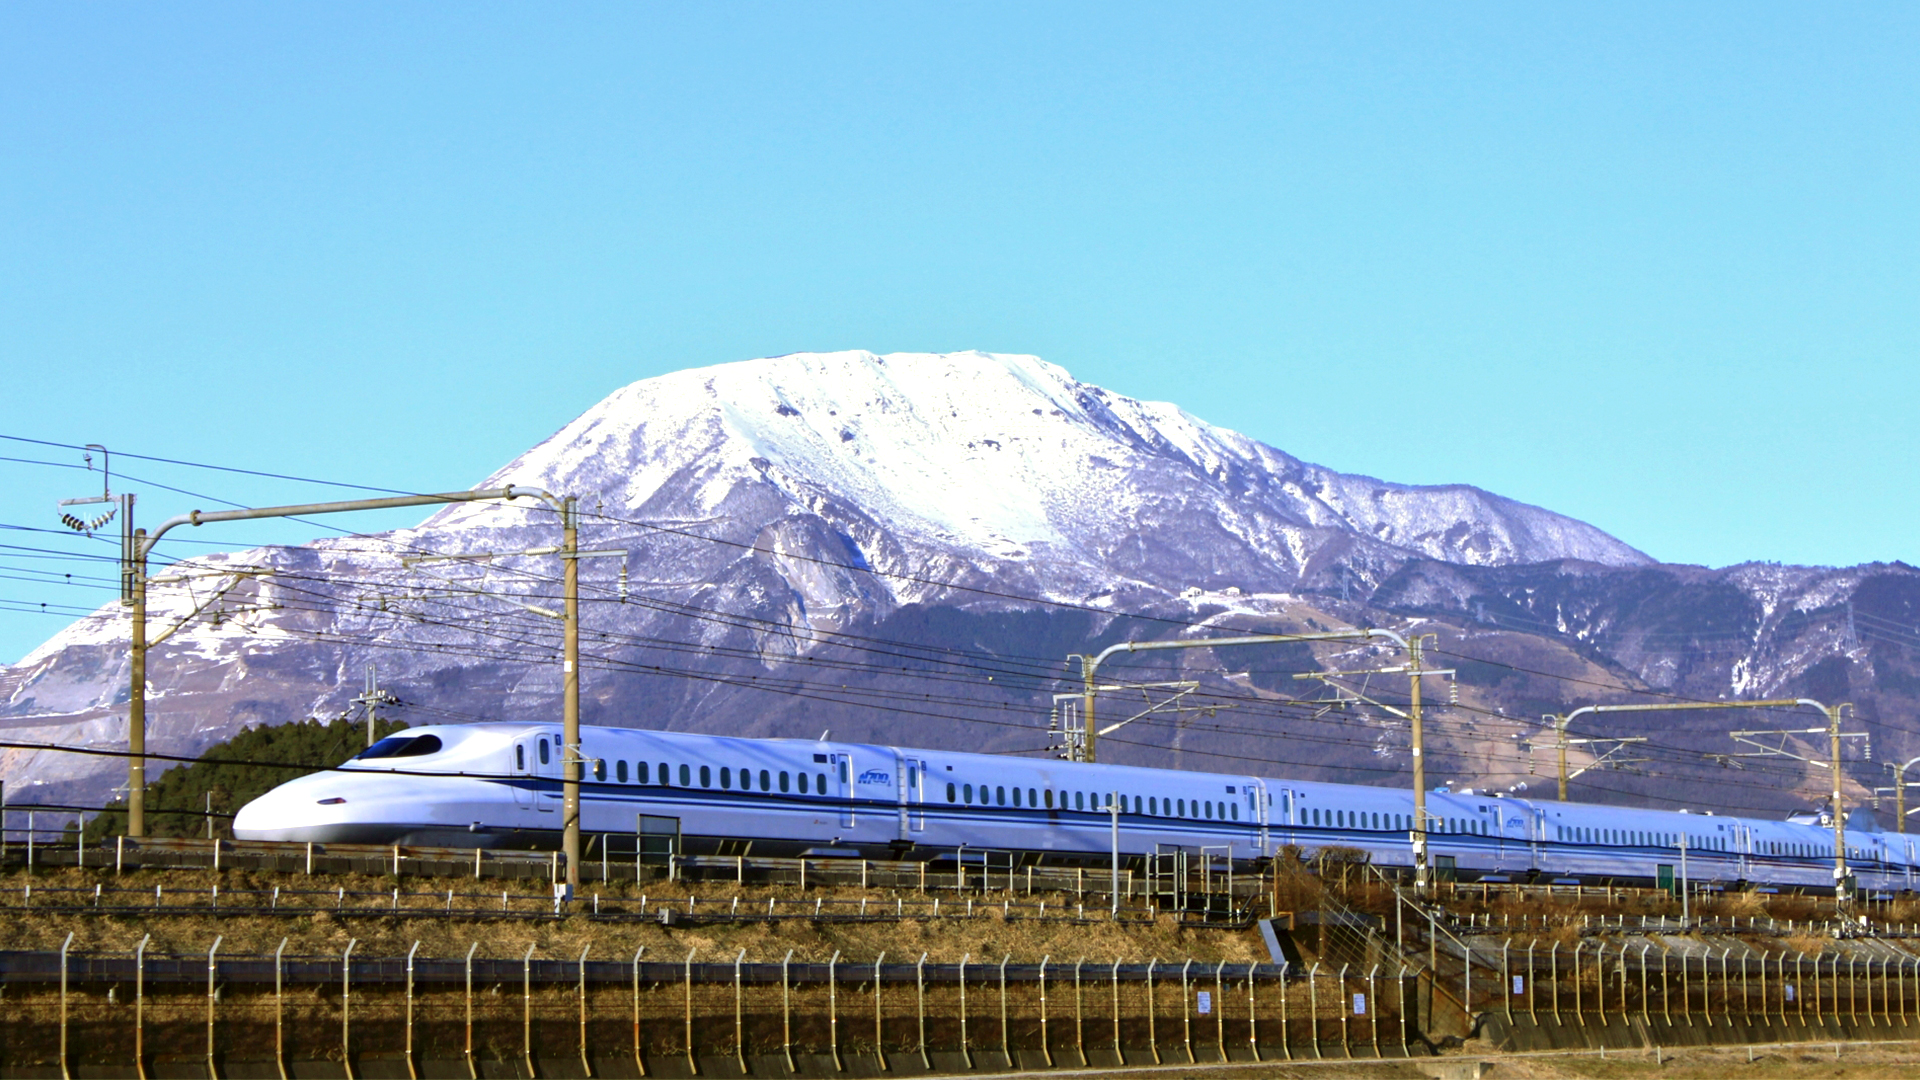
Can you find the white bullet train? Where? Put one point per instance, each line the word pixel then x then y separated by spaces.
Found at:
pixel 497 785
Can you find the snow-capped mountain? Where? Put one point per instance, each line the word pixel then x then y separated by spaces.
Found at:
pixel 857 541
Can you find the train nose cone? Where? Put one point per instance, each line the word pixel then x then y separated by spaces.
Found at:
pixel 290 812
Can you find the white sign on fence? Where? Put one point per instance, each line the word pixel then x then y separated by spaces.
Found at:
pixel 1789 991
pixel 1206 1002
pixel 1359 1004
pixel 1519 984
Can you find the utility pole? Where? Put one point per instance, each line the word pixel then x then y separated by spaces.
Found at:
pixel 1416 732
pixel 570 693
pixel 1832 730
pixel 372 698
pixel 1422 874
pixel 140 546
pixel 1900 793
pixel 1842 878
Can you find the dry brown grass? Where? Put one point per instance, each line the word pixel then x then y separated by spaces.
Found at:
pixel 991 935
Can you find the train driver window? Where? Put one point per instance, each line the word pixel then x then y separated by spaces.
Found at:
pixel 519 756
pixel 950 792
pixel 620 771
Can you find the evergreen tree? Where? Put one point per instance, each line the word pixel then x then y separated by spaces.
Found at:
pixel 176 799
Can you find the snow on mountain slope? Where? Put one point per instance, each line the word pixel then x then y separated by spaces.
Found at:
pixel 1009 458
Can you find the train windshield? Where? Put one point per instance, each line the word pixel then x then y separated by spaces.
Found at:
pixel 401 746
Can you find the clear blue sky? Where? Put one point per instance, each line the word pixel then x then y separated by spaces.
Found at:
pixel 1653 266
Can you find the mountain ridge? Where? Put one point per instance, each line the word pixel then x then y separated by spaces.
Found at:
pixel 775 510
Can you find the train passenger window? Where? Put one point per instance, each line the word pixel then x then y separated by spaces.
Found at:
pixel 1049 797
pixel 1181 805
pixel 843 770
pixel 706 776
pixel 726 777
pixel 764 777
pixel 543 751
pixel 685 780
pixel 1236 814
pixel 620 771
pixel 1079 800
pixel 665 777
pixel 1136 804
pixel 785 781
pixel 951 794
pixel 1000 796
pixel 1033 797
pixel 1153 805
pixel 803 782
pixel 820 781
pixel 1207 810
pixel 967 790
pixel 1016 795
pixel 600 769
pixel 519 756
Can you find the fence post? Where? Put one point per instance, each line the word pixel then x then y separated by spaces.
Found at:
pixel 1253 1018
pixel 1153 1019
pixel 879 1016
pixel 473 1067
pixel 1373 1009
pixel 1579 996
pixel 786 1009
pixel 693 1063
pixel 833 1010
pixel 1046 1046
pixel 1553 977
pixel 1220 1008
pixel 1506 981
pixel 1406 1042
pixel 920 1000
pixel 526 1015
pixel 1346 1010
pixel 1186 1012
pixel 739 1027
pixel 966 1049
pixel 412 1071
pixel 1313 1008
pixel 140 1006
pixel 1006 1044
pixel 1533 1016
pixel 1079 1013
pixel 280 1009
pixel 346 1002
pixel 1119 1053
pixel 65 1073
pixel 586 1067
pixel 1286 1044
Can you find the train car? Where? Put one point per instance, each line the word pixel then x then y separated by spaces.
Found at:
pixel 498 785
